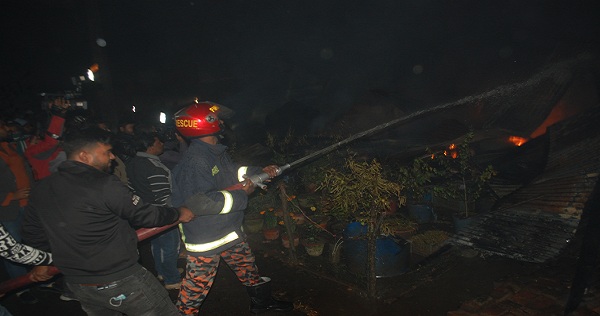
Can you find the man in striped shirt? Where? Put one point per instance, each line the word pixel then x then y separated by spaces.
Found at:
pixel 151 180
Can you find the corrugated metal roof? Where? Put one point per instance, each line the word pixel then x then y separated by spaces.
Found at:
pixel 535 222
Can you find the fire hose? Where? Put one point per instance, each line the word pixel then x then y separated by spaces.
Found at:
pixel 142 234
pixel 260 178
pixel 257 179
pixel 21 281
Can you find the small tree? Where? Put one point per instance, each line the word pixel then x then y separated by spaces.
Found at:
pixel 416 178
pixel 463 178
pixel 358 190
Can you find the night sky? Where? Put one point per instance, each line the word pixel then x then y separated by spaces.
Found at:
pixel 255 56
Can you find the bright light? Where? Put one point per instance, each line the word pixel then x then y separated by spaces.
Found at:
pixel 133 108
pixel 163 117
pixel 90 74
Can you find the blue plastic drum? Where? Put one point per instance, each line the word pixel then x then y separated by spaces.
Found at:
pixel 392 255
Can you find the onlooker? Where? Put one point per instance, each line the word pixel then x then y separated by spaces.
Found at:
pixel 75 120
pixel 79 121
pixel 41 151
pixel 84 215
pixel 23 254
pixel 17 134
pixel 15 184
pixel 151 180
pixel 124 142
pixel 207 169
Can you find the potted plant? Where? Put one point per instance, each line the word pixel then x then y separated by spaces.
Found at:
pixel 258 203
pixel 315 227
pixel 359 191
pixel 426 243
pixel 253 224
pixel 297 218
pixel 270 228
pixel 311 175
pixel 398 226
pixel 465 180
pixel 312 242
pixel 416 180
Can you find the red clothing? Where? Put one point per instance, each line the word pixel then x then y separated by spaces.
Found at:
pixel 40 155
pixel 16 163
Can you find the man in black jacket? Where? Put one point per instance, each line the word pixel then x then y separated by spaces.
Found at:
pixel 84 216
pixel 124 141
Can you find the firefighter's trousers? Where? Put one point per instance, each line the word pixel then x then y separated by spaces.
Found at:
pixel 201 271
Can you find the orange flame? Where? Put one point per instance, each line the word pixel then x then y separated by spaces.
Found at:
pixel 452 152
pixel 518 141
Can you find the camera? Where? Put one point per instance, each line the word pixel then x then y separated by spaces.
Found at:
pixel 61 101
pixel 166 133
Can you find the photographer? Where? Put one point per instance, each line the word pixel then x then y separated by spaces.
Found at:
pixel 42 150
pixel 175 147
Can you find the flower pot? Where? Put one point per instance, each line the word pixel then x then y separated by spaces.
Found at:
pixel 405 233
pixel 322 220
pixel 253 225
pixel 299 219
pixel 285 240
pixel 271 233
pixel 314 248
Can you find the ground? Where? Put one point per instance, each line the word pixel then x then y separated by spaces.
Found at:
pixel 455 282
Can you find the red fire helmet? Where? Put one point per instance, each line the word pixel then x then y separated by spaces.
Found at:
pixel 198 119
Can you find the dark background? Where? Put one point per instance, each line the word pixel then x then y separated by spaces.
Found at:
pixel 300 56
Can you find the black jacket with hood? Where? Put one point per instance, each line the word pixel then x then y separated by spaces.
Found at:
pixel 85 217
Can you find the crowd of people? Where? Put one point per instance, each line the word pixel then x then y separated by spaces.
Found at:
pixel 74 196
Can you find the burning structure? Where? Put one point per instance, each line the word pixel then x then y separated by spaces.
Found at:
pixel 542 137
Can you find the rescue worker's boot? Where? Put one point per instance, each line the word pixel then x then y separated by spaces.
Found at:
pixel 262 301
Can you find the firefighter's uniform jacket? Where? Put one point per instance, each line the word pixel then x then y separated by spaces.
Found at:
pixel 199 183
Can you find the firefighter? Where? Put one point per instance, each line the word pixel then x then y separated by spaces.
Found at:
pixel 200 182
